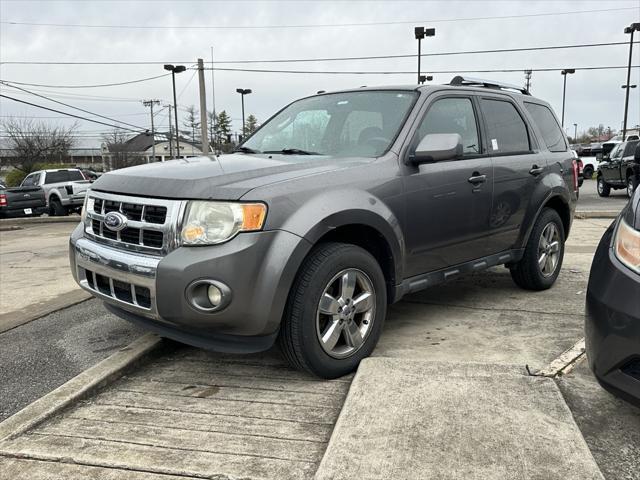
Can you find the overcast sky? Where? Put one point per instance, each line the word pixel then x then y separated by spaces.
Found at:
pixel 593 97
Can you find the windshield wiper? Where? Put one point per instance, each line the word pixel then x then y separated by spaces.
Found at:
pixel 245 150
pixel 292 151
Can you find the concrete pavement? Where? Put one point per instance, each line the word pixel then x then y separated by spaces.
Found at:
pixel 196 414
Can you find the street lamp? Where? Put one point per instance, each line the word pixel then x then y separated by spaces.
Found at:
pixel 420 33
pixel 425 78
pixel 575 132
pixel 634 27
pixel 175 69
pixel 243 92
pixel 564 74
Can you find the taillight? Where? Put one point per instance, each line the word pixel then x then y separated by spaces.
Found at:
pixel 574 170
pixel 3 200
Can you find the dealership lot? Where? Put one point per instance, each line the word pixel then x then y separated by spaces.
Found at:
pixel 255 415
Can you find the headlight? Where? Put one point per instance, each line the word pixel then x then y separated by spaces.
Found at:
pixel 208 223
pixel 627 246
pixel 88 205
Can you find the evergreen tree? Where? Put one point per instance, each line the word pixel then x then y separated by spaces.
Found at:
pixel 251 126
pixel 223 127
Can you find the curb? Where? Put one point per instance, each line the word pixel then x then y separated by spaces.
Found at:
pixel 11 320
pixel 597 214
pixel 5 222
pixel 79 387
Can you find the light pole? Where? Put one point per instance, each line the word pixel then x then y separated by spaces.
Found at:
pixel 175 69
pixel 575 132
pixel 243 92
pixel 564 74
pixel 634 27
pixel 425 78
pixel 420 33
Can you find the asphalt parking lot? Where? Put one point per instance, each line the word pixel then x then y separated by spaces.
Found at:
pixel 165 411
pixel 590 200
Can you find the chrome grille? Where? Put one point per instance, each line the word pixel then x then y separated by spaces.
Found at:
pixel 125 292
pixel 151 222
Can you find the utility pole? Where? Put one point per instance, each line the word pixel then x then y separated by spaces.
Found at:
pixel 203 108
pixel 213 107
pixel 527 80
pixel 170 134
pixel 151 103
pixel 634 27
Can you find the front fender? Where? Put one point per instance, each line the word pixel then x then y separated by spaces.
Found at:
pixel 327 211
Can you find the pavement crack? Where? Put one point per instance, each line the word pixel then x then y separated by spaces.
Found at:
pixel 468 307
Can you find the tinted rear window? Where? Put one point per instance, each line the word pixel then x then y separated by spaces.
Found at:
pixel 57 177
pixel 506 129
pixel 549 128
pixel 631 148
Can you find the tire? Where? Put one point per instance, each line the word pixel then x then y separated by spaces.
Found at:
pixel 303 324
pixel 528 273
pixel 56 209
pixel 630 186
pixel 603 187
pixel 587 173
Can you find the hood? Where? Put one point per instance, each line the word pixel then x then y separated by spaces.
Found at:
pixel 227 177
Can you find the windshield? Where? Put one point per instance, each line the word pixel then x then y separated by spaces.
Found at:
pixel 355 124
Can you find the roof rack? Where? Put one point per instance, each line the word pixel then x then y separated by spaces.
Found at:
pixel 478 82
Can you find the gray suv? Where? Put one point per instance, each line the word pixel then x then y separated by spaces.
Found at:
pixel 338 206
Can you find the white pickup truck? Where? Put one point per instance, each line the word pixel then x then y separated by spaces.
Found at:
pixel 64 189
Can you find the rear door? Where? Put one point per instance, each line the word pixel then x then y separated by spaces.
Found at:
pixel 448 203
pixel 517 168
pixel 611 169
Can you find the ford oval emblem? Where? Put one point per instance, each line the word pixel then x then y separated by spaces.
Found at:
pixel 115 221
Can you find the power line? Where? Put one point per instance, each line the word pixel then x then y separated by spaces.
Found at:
pixel 397 72
pixel 317 25
pixel 71 106
pixel 88 86
pixel 66 113
pixel 327 59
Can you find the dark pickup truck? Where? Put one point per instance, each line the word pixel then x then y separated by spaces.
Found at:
pixel 21 201
pixel 616 171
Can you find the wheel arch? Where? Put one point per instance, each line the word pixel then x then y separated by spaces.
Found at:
pixel 557 201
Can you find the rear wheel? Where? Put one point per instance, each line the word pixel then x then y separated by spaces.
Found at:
pixel 603 187
pixel 335 311
pixel 587 173
pixel 56 209
pixel 540 265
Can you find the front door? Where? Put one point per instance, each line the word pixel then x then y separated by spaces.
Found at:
pixel 448 203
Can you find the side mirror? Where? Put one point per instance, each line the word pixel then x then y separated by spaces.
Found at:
pixel 437 147
pixel 636 155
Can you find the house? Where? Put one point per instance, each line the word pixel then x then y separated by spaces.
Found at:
pixel 140 149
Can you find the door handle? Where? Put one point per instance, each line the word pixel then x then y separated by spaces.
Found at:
pixel 536 170
pixel 476 178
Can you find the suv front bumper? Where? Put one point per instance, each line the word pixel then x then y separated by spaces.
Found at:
pixel 149 290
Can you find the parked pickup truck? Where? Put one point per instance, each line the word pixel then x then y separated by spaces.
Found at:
pixel 64 189
pixel 339 205
pixel 21 201
pixel 617 170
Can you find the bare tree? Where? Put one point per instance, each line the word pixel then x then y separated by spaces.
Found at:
pixel 192 122
pixel 120 154
pixel 33 142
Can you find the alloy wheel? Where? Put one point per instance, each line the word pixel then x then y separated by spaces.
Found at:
pixel 345 313
pixel 549 250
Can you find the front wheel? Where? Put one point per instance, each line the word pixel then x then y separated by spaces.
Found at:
pixel 540 265
pixel 630 186
pixel 335 311
pixel 603 187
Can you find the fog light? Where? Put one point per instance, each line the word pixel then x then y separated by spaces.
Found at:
pixel 215 295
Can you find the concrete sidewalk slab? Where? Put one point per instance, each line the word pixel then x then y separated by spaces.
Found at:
pixel 426 420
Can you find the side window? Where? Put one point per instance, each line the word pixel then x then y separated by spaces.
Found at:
pixel 506 130
pixel 56 177
pixel 631 148
pixel 452 115
pixel 548 125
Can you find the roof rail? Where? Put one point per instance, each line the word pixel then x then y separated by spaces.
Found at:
pixel 469 82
